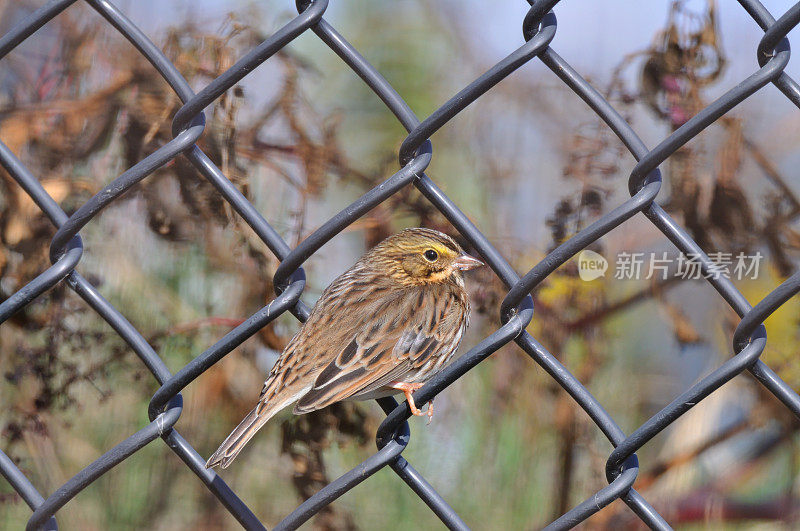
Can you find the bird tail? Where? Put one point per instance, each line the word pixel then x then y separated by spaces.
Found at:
pixel 234 443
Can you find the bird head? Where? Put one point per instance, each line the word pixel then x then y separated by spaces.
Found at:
pixel 422 256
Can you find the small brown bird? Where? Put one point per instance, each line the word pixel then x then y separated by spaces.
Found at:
pixel 386 325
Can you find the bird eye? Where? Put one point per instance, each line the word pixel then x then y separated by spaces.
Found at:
pixel 431 255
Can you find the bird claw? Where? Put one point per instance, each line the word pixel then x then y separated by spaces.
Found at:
pixel 409 388
pixel 430 412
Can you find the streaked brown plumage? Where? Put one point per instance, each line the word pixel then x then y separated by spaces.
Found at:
pixel 387 324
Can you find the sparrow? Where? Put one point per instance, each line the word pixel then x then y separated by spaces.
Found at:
pixel 385 326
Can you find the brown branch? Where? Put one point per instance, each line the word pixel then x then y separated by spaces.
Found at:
pixel 647 479
pixel 608 310
pixel 190 326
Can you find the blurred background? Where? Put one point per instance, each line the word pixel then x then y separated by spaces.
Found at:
pixel 302 137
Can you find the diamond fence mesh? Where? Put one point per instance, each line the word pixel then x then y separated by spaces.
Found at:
pixel 539 29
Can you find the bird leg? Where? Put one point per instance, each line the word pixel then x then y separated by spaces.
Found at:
pixel 409 388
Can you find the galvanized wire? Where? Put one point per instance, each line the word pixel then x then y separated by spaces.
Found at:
pixel 539 28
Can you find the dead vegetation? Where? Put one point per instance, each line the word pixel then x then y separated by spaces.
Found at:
pixel 90 107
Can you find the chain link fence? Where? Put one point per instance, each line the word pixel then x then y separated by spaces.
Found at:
pixel 516 312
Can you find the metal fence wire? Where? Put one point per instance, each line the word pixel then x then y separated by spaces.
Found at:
pixel 539 28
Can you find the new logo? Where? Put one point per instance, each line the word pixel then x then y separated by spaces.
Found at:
pixel 591 265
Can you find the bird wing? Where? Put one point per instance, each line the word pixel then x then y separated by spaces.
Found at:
pixel 397 335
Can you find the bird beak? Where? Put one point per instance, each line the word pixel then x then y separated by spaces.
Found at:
pixel 465 262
